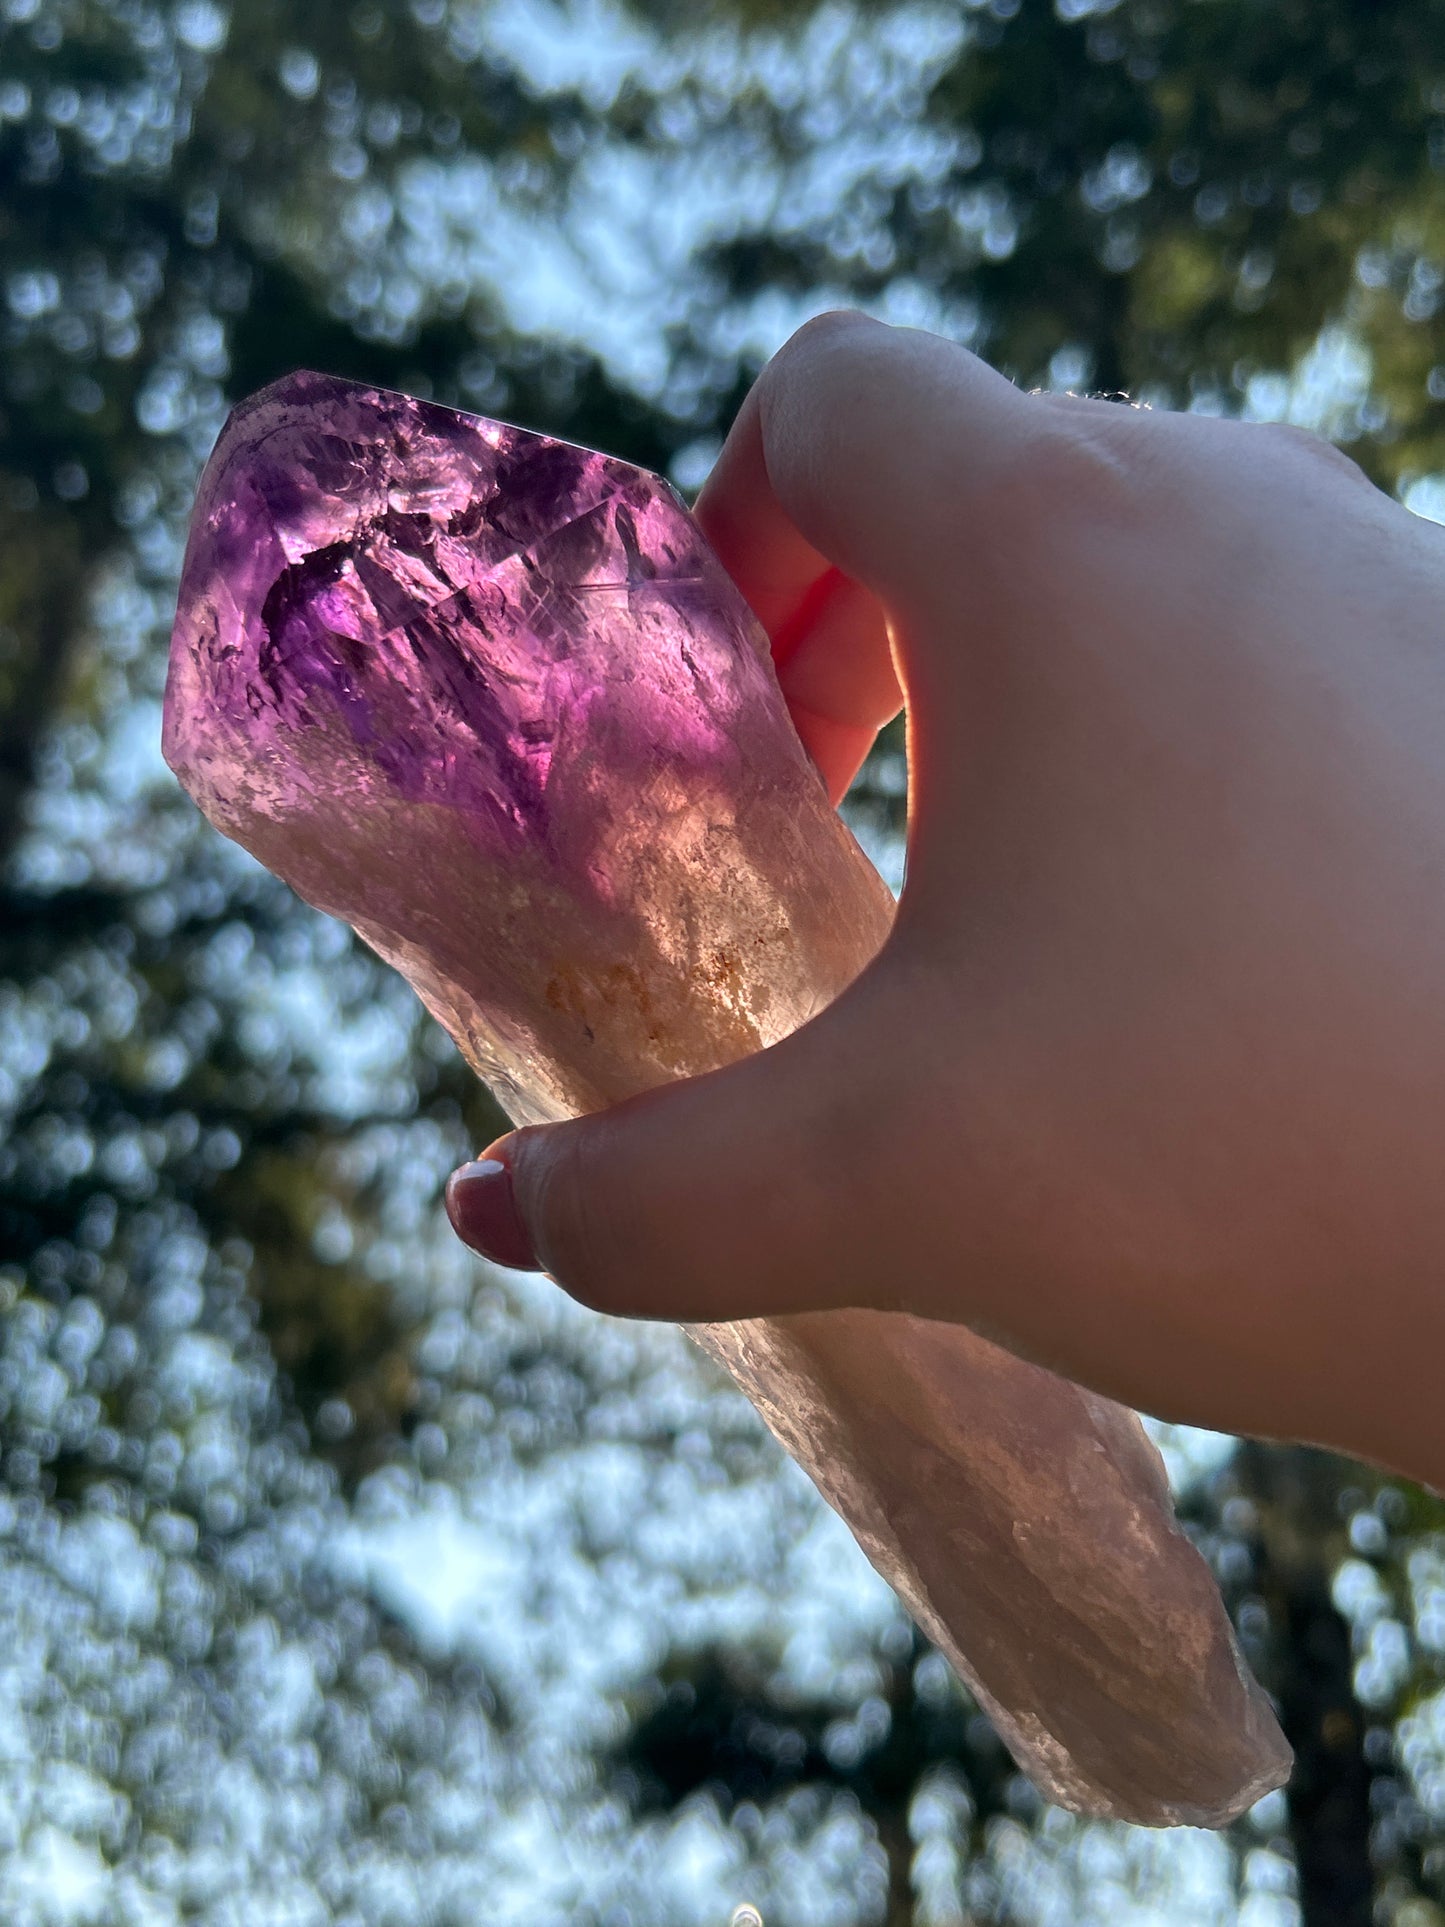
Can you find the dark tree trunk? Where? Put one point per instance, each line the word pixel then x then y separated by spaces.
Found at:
pixel 41 593
pixel 1329 1792
pixel 1297 1542
pixel 897 1844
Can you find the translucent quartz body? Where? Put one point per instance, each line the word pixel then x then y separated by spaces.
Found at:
pixel 490 698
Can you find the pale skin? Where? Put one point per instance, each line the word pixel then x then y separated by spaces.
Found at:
pixel 1148 1082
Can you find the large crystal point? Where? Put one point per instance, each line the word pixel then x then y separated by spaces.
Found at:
pixel 491 698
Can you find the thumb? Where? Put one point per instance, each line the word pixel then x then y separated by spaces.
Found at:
pixel 730 1195
pixel 866 490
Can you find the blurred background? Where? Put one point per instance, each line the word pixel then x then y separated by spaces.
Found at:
pixel 343 1579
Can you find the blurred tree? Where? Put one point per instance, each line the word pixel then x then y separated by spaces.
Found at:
pixel 724 1722
pixel 212 1101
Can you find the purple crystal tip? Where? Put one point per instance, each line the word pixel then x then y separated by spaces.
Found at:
pixel 409 583
pixel 490 697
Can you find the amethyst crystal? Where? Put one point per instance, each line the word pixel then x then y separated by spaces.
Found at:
pixel 491 698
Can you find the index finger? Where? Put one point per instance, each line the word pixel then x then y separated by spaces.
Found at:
pixel 829 634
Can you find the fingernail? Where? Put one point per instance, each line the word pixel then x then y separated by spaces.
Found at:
pixel 484 1214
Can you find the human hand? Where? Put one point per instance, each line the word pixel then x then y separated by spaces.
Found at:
pixel 1148 1082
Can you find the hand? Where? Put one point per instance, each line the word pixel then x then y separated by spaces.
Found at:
pixel 1148 1082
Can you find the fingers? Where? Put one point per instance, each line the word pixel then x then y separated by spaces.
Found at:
pixel 835 668
pixel 829 635
pixel 863 462
pixel 858 459
pixel 880 445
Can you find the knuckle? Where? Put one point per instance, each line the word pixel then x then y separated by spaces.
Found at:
pixel 825 365
pixel 840 335
pixel 1079 459
pixel 819 399
pixel 1291 440
pixel 1068 470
